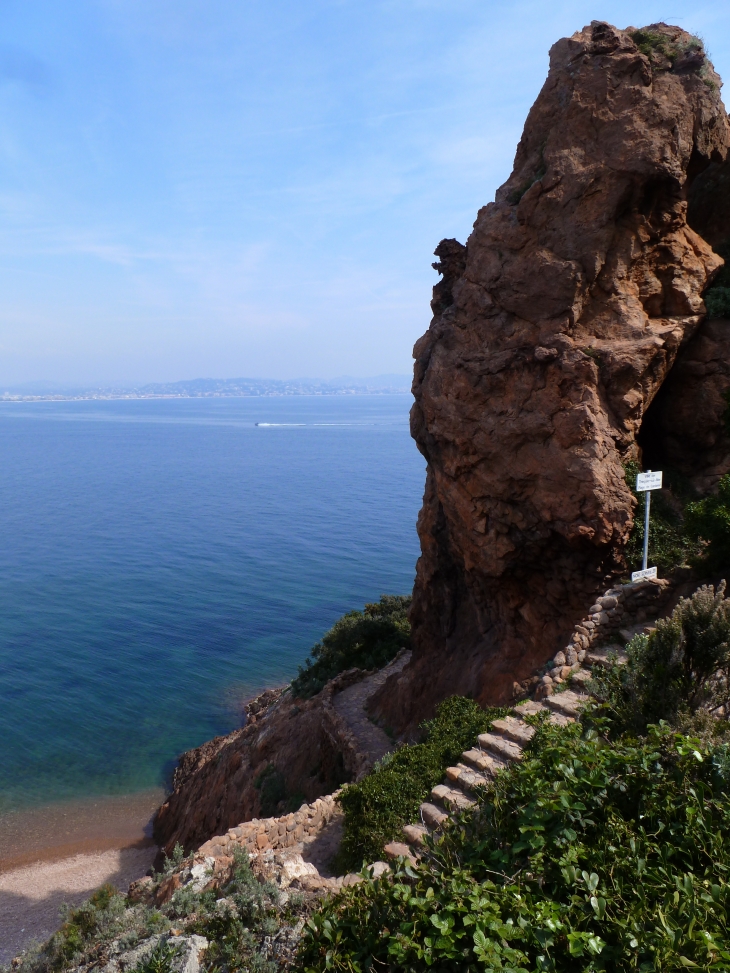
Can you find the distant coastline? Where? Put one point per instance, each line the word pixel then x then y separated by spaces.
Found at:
pixel 213 388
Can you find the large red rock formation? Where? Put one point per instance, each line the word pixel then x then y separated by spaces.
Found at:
pixel 554 328
pixel 686 427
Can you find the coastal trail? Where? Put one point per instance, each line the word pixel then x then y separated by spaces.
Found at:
pixel 350 704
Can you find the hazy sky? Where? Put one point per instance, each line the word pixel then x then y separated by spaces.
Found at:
pixel 255 187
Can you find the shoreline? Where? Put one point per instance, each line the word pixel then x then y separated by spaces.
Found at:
pixel 61 852
pixel 54 831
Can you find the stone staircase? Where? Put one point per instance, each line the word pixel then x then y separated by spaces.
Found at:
pixel 497 749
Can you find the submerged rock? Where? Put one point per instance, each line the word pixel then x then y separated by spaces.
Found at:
pixel 553 330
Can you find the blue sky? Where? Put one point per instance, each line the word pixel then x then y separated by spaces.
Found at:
pixel 255 188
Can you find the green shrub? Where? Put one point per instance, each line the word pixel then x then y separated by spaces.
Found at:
pixel 709 519
pixel 377 808
pixel 360 639
pixel 717 296
pixel 649 42
pixel 683 666
pixel 160 959
pixel 717 301
pixel 237 929
pixel 81 926
pixel 235 932
pixel 272 790
pixel 583 858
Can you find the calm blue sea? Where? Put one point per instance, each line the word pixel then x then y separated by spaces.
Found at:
pixel 161 560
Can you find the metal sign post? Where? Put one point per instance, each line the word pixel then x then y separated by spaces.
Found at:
pixel 647 482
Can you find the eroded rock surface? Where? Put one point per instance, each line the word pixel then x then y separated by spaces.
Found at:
pixel 553 331
pixel 306 748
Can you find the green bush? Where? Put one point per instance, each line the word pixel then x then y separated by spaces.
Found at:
pixel 709 519
pixel 683 666
pixel 717 302
pixel 377 808
pixel 360 639
pixel 650 43
pixel 235 932
pixel 583 858
pixel 160 960
pixel 237 929
pixel 717 296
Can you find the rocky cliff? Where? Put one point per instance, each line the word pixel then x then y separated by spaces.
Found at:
pixel 288 750
pixel 554 329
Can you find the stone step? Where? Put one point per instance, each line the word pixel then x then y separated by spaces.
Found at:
pixel 531 707
pixel 487 763
pixel 567 703
pixel 451 798
pixel 601 656
pixel 432 816
pixel 467 778
pixel 580 678
pixel 398 849
pixel 506 749
pixel 560 719
pixel 513 729
pixel 414 834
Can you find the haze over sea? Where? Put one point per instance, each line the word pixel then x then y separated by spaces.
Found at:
pixel 161 560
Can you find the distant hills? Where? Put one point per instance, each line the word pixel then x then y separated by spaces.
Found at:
pixel 213 388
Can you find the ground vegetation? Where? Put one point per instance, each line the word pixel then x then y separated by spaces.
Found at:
pixel 240 920
pixel 366 639
pixel 377 808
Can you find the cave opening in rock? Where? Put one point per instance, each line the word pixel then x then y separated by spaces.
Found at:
pixel 651 438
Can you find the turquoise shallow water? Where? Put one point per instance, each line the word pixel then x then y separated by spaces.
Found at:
pixel 160 560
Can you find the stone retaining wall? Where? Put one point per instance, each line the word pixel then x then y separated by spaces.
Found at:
pixel 262 834
pixel 612 619
pixel 620 607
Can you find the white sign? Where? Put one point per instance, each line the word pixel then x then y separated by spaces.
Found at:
pixel 644 575
pixel 649 481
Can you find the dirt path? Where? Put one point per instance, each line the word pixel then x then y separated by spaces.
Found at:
pixel 350 704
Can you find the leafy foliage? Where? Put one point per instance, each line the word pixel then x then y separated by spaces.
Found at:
pixel 272 790
pixel 717 296
pixel 584 857
pixel 709 519
pixel 717 301
pixel 367 640
pixel 159 960
pixel 652 43
pixel 237 920
pixel 684 665
pixel 235 924
pixel 377 808
pixel 648 42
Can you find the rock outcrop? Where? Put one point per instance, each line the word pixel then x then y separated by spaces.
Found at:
pixel 289 751
pixel 686 427
pixel 304 748
pixel 554 328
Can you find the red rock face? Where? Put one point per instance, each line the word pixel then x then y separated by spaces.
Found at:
pixel 553 331
pixel 217 786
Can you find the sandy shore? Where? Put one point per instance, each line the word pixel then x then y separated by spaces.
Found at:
pixel 61 853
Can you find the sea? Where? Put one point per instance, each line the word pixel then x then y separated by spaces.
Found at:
pixel 163 560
